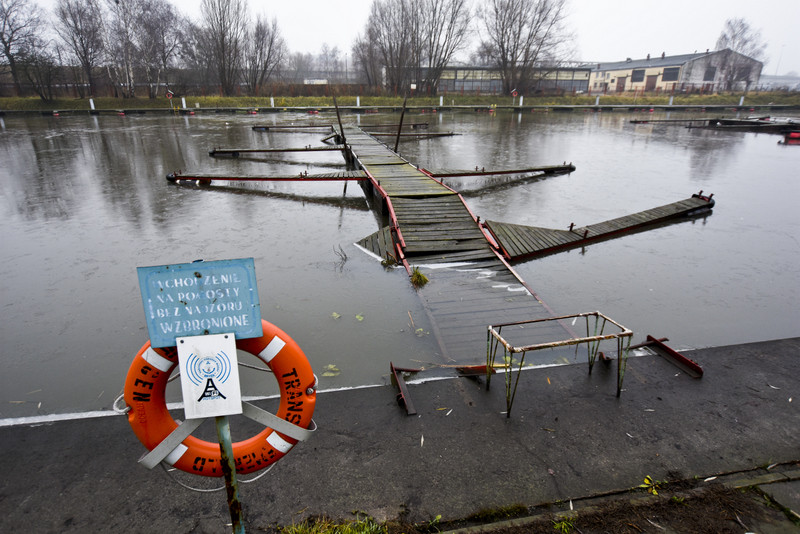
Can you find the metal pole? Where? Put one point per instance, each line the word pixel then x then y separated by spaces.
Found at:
pixel 229 470
pixel 348 156
pixel 400 128
pixel 339 118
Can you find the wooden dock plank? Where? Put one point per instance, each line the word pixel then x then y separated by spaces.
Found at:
pixel 452 257
pixel 521 241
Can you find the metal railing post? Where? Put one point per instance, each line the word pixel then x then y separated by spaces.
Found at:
pixel 229 471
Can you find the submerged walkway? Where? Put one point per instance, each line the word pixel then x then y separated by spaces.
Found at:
pixel 471 283
pixel 431 228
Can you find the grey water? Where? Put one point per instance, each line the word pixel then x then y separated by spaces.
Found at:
pixel 83 202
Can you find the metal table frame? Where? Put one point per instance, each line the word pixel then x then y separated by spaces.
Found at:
pixel 594 335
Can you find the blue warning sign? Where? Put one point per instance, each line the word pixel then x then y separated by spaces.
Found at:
pixel 200 298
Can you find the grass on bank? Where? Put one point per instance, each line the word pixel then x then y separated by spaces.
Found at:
pixel 326 526
pixel 105 103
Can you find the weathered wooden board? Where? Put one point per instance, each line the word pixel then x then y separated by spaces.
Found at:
pixel 521 242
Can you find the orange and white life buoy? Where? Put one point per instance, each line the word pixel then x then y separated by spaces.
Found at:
pixel 152 423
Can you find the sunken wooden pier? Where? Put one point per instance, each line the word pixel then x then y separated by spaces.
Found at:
pixel 431 228
pixel 341 176
pixel 472 285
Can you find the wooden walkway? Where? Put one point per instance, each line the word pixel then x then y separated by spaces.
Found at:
pixel 236 152
pixel 431 228
pixel 519 242
pixel 428 222
pixel 339 176
pixel 472 285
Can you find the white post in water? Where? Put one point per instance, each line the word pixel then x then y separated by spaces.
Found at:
pixel 91 103
pixel 520 100
pixel 670 100
pixel 741 100
pixel 441 100
pixel 358 101
pixel 183 102
pixel 272 101
pixel 597 101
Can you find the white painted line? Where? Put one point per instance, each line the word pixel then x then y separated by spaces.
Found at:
pixel 37 420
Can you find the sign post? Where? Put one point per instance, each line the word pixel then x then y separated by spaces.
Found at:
pixel 202 308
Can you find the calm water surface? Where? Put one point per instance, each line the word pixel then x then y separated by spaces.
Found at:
pixel 83 202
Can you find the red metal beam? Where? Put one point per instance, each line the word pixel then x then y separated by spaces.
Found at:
pixel 403 397
pixel 691 368
pixel 205 178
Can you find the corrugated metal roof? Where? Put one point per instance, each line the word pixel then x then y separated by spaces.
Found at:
pixel 657 61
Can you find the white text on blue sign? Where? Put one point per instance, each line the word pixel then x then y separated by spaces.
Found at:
pixel 202 298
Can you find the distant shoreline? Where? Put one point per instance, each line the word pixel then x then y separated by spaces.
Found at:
pixel 352 104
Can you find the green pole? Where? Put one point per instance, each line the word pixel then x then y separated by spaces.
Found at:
pixel 229 471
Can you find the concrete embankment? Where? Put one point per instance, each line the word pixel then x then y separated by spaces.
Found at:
pixel 569 437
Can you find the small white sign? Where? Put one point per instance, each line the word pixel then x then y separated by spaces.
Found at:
pixel 209 375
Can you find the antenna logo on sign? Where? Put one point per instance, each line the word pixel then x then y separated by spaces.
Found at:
pixel 205 370
pixel 209 375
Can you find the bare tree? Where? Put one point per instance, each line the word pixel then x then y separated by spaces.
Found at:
pixel 80 27
pixel 444 25
pixel 41 66
pixel 195 51
pixel 744 44
pixel 298 66
pixel 522 34
pixel 20 24
pixel 159 39
pixel 391 24
pixel 740 37
pixel 366 59
pixel 264 52
pixel 225 23
pixel 414 39
pixel 122 36
pixel 328 62
pixel 483 55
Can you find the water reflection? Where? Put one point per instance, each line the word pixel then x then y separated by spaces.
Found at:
pixel 269 190
pixel 83 201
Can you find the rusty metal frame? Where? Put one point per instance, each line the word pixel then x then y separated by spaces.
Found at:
pixel 594 335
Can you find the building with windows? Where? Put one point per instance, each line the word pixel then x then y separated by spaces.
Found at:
pixel 721 70
pixel 489 80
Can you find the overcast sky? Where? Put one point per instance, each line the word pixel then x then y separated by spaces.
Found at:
pixel 605 30
pixel 609 30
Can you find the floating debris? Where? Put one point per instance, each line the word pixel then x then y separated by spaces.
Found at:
pixel 331 370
